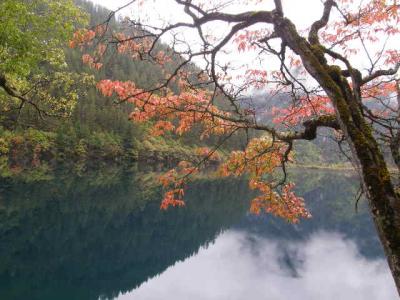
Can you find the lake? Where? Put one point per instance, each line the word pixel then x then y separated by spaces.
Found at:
pixel 101 235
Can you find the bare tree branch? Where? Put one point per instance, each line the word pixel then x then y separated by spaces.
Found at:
pixel 317 25
pixel 380 73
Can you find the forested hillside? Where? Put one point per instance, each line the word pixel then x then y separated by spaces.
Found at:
pixel 94 128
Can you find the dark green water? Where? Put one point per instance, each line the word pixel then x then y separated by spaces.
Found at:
pixel 102 236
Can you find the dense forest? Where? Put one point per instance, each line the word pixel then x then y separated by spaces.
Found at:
pixel 96 128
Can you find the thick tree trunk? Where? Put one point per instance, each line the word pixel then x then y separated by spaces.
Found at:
pixel 383 201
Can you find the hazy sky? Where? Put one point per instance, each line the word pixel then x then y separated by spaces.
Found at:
pixel 160 11
pixel 303 12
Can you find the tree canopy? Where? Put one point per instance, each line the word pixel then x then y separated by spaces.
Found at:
pixel 33 69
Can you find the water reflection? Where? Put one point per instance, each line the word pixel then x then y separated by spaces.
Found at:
pixel 79 237
pixel 243 266
pixel 102 235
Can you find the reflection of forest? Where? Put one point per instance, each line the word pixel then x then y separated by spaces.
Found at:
pixel 331 198
pixel 79 237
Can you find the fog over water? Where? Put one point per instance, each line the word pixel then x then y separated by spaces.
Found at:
pixel 243 266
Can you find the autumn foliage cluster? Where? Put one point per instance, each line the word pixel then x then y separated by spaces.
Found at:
pixel 354 27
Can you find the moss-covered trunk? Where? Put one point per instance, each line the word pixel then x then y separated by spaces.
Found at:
pixel 383 201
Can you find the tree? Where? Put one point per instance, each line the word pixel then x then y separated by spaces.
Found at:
pixel 33 71
pixel 318 81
